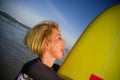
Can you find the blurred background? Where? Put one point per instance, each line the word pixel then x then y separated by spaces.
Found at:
pixel 18 16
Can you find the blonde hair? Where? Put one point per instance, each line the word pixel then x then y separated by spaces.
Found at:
pixel 37 34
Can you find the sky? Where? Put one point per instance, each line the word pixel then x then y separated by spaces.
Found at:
pixel 73 16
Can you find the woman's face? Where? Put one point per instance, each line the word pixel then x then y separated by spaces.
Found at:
pixel 57 44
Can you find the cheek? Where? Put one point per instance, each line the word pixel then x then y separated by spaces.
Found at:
pixel 55 43
pixel 55 47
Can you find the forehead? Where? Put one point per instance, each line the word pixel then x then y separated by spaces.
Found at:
pixel 56 32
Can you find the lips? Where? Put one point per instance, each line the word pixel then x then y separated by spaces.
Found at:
pixel 62 51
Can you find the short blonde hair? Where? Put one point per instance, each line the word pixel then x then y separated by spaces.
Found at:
pixel 37 34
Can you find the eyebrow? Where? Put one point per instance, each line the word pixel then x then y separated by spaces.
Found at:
pixel 59 34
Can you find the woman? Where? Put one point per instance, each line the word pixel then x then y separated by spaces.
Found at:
pixel 46 41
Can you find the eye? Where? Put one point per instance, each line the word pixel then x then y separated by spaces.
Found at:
pixel 60 38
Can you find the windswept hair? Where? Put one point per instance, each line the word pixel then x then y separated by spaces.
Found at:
pixel 34 38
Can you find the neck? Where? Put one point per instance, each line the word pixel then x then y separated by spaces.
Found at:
pixel 48 60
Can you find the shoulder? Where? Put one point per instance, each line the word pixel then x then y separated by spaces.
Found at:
pixel 29 65
pixel 37 71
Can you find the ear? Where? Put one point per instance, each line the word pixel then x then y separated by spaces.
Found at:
pixel 46 44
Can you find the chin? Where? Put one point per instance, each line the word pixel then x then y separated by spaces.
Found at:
pixel 59 58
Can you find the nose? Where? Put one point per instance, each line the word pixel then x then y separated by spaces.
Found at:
pixel 64 42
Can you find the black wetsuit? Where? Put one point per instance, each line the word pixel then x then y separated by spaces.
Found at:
pixel 36 70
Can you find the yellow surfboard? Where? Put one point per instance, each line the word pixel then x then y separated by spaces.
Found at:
pixel 96 54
